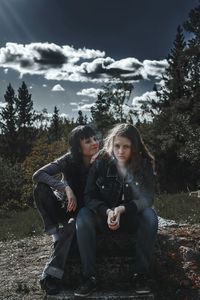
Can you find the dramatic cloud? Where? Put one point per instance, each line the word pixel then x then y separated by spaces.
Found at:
pixel 155 68
pixel 83 107
pixel 2 104
pixel 127 68
pixel 138 100
pixel 64 116
pixel 55 62
pixel 91 92
pixel 57 88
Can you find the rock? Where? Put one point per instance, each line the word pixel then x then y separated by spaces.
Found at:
pixel 166 223
pixel 104 295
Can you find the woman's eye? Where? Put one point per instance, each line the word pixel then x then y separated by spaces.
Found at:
pixel 116 146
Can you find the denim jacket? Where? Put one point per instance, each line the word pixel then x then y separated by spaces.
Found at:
pixel 73 174
pixel 105 187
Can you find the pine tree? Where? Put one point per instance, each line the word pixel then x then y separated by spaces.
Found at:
pixel 119 97
pixel 55 128
pixel 173 94
pixel 8 125
pixel 111 106
pixel 192 26
pixel 25 115
pixel 100 111
pixel 170 117
pixel 81 120
pixel 24 108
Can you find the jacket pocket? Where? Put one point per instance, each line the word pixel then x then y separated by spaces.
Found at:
pixel 104 185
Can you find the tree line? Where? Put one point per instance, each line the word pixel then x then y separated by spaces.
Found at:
pixel 170 125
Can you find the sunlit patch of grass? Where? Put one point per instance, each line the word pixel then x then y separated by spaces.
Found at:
pixel 19 224
pixel 179 207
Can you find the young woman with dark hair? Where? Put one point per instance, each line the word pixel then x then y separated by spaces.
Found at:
pixel 118 197
pixel 58 200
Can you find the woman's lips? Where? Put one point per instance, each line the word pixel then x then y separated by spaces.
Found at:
pixel 94 147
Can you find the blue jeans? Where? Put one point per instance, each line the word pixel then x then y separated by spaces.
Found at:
pixel 143 225
pixel 52 215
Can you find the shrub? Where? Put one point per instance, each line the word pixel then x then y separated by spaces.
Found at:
pixel 41 154
pixel 11 183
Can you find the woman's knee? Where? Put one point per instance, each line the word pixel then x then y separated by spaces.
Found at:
pixel 149 218
pixel 85 219
pixel 41 190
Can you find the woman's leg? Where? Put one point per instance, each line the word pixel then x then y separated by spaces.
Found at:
pixel 49 208
pixel 145 239
pixel 56 266
pixel 86 238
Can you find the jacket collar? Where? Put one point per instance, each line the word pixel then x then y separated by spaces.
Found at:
pixel 112 171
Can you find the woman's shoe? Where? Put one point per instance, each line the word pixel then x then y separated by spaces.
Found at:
pixel 141 285
pixel 50 285
pixel 87 288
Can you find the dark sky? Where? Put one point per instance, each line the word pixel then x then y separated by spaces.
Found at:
pixel 124 32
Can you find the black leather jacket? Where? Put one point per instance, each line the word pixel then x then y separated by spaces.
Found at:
pixel 105 188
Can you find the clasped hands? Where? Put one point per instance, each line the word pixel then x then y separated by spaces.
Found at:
pixel 113 217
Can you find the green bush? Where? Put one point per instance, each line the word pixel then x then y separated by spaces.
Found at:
pixel 11 185
pixel 41 154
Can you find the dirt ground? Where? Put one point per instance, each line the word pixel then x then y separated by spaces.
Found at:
pixel 21 264
pixel 178 264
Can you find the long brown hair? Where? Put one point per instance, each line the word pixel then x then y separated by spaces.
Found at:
pixel 139 149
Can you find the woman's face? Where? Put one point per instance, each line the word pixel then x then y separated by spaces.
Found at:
pixel 122 149
pixel 89 146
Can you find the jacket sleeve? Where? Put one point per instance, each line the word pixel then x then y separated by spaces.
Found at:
pixel 92 196
pixel 47 172
pixel 145 194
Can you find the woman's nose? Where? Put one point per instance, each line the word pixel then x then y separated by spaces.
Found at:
pixel 120 150
pixel 94 141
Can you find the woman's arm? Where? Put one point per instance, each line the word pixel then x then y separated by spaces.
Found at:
pixel 47 172
pixel 46 175
pixel 146 191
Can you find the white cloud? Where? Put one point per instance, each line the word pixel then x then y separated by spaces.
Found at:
pixel 55 62
pixel 155 68
pixel 63 115
pixel 44 85
pixel 73 103
pixel 138 100
pixel 57 88
pixel 91 92
pixel 129 63
pixel 2 104
pixel 160 84
pixel 6 70
pixel 84 107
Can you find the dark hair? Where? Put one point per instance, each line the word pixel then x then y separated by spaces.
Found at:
pixel 130 132
pixel 76 135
